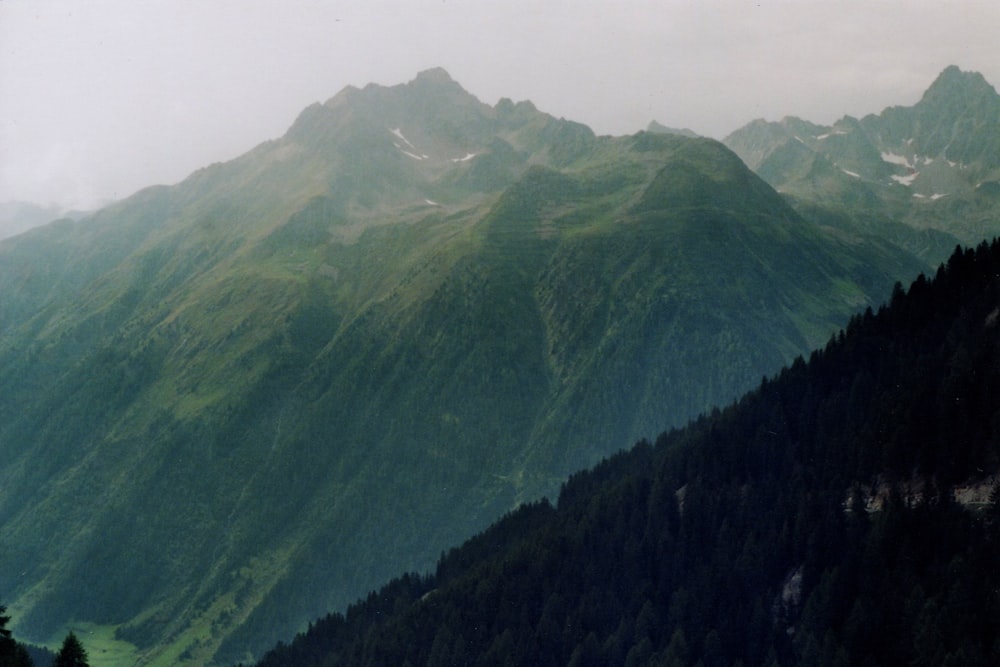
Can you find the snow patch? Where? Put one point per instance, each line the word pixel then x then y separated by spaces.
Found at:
pixel 938 195
pixel 831 134
pixel 851 173
pixel 399 133
pixel 905 180
pixel 892 158
pixel 421 157
pixel 468 156
pixel 431 202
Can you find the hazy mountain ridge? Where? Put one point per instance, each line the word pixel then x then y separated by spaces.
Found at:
pixel 334 348
pixel 931 166
pixel 17 217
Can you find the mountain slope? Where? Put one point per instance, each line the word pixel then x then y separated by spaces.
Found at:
pixel 932 166
pixel 231 404
pixel 846 512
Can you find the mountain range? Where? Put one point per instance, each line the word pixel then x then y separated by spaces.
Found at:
pixel 231 405
pixel 934 165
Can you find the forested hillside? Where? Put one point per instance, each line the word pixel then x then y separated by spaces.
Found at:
pixel 843 513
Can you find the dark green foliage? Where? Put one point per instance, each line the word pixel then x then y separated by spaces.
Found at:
pixel 744 538
pixel 71 654
pixel 12 653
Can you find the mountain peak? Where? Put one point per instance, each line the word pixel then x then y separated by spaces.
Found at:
pixel 658 128
pixel 434 75
pixel 952 82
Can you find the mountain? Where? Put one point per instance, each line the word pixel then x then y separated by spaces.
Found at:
pixel 932 167
pixel 846 512
pixel 17 216
pixel 657 128
pixel 232 404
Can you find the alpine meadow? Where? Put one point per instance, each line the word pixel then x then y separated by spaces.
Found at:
pixel 239 404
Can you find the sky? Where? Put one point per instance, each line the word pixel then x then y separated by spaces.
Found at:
pixel 101 98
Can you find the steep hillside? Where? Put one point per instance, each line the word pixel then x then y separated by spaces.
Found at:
pixel 846 512
pixel 933 166
pixel 231 404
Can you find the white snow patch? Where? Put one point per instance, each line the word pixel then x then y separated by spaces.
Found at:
pixel 421 157
pixel 468 156
pixel 938 195
pixel 830 134
pixel 851 173
pixel 431 202
pixel 399 133
pixel 919 196
pixel 905 180
pixel 951 164
pixel 892 158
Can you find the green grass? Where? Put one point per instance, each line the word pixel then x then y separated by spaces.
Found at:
pixel 103 649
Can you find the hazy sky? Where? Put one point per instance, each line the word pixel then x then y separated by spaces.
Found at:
pixel 103 97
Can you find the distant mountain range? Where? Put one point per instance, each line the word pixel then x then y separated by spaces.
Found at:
pixel 233 404
pixel 935 165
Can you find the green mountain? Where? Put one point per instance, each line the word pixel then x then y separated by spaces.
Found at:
pixel 921 175
pixel 658 128
pixel 232 404
pixel 846 512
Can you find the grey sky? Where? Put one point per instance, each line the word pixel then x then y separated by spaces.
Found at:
pixel 101 98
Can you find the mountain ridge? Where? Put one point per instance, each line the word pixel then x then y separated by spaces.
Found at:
pixel 930 166
pixel 334 356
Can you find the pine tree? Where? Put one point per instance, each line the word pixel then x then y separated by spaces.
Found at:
pixel 12 654
pixel 4 632
pixel 72 653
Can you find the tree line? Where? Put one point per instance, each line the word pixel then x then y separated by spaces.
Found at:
pixel 16 654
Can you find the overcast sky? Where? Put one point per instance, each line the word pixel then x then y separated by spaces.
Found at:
pixel 101 98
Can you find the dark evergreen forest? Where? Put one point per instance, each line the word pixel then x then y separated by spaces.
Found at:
pixel 814 522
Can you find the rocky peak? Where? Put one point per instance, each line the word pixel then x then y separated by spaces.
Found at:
pixel 954 83
pixel 435 75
